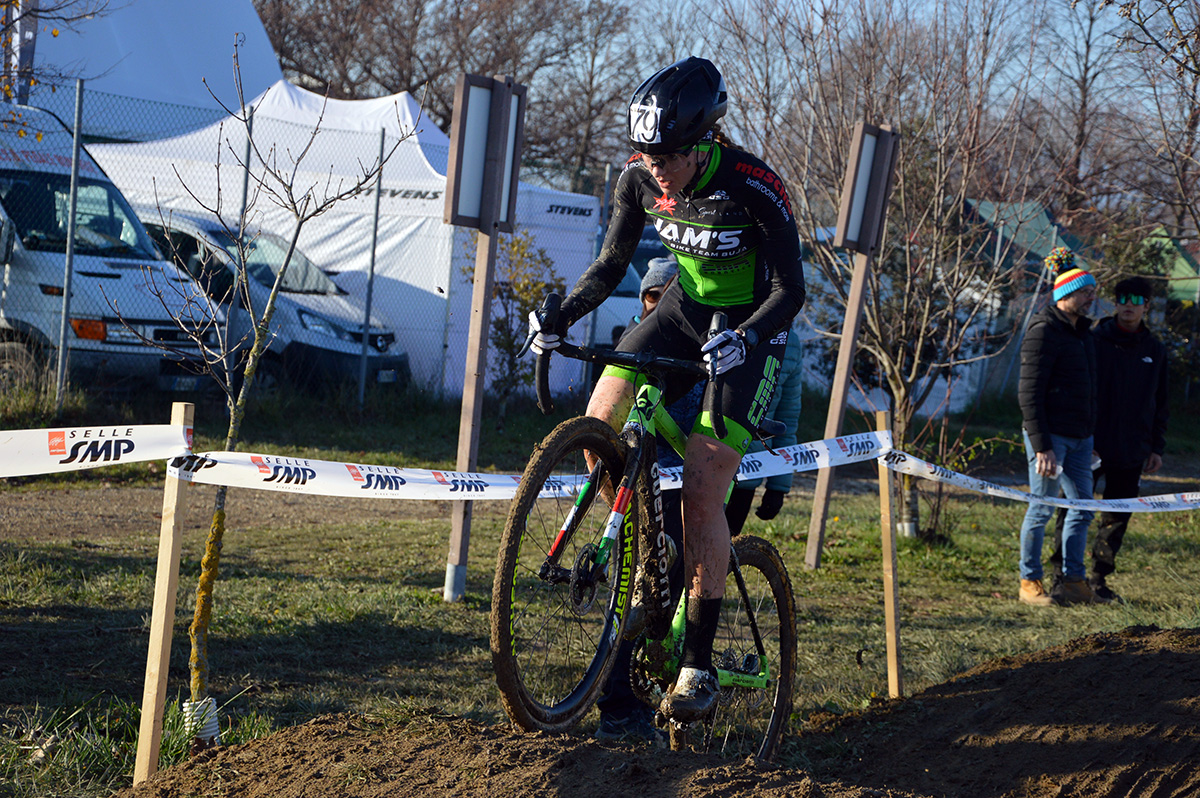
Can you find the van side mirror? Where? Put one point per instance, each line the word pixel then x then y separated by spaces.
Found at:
pixel 8 237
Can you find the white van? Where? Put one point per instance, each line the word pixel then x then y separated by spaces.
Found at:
pixel 122 293
pixel 317 327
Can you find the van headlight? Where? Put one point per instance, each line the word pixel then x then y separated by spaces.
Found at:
pixel 323 326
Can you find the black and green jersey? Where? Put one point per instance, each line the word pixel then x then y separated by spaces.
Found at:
pixel 732 232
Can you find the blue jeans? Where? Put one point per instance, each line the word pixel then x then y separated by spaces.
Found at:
pixel 1075 457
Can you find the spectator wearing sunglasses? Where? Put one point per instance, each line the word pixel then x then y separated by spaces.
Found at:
pixel 1131 422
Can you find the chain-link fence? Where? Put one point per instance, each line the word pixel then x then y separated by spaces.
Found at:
pixel 379 239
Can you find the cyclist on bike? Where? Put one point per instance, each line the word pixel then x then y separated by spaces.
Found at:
pixel 726 217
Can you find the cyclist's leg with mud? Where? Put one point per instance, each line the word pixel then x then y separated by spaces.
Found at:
pixel 610 402
pixel 709 468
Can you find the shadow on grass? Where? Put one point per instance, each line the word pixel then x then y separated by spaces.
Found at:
pixel 71 628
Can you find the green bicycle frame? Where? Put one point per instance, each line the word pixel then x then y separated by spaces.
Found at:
pixel 649 417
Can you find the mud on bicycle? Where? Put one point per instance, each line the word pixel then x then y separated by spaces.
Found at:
pixel 583 564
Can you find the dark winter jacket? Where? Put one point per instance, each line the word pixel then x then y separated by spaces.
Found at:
pixel 1057 390
pixel 1131 391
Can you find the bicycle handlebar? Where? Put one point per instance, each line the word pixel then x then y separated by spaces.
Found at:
pixel 715 328
pixel 635 361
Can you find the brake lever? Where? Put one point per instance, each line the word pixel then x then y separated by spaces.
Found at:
pixel 525 346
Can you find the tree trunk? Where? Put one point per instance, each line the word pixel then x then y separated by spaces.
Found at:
pixel 198 632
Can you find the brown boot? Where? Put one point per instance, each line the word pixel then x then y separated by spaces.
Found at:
pixel 1077 591
pixel 1033 593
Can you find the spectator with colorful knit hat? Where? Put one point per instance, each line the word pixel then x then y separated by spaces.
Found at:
pixel 1057 393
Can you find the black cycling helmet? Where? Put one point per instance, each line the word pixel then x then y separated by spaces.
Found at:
pixel 675 108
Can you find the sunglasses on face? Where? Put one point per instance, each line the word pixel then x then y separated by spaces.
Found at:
pixel 1130 299
pixel 669 161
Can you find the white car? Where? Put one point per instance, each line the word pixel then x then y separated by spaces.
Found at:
pixel 122 294
pixel 317 329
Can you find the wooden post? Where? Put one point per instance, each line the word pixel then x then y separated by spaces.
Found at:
pixel 490 223
pixel 847 347
pixel 472 412
pixel 162 619
pixel 860 226
pixel 891 588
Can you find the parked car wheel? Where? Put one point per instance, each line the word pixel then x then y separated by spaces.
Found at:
pixel 18 366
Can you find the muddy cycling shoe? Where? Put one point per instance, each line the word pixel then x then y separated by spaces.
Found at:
pixel 635 727
pixel 693 696
pixel 635 622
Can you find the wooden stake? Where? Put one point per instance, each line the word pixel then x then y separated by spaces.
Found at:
pixel 891 589
pixel 162 619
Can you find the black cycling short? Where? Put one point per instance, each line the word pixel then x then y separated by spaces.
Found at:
pixel 677 328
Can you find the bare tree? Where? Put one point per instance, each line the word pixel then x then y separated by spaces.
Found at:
pixel 21 21
pixel 574 56
pixel 1170 29
pixel 281 179
pixel 951 80
pixel 1077 117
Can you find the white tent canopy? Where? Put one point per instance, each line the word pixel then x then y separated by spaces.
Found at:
pixel 421 286
pixel 139 53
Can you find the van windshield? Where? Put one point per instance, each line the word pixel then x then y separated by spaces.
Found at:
pixel 39 202
pixel 265 253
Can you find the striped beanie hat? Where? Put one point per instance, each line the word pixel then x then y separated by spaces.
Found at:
pixel 1067 277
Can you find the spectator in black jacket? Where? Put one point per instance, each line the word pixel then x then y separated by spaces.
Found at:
pixel 1131 428
pixel 1058 406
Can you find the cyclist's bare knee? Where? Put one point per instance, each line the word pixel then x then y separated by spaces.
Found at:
pixel 611 400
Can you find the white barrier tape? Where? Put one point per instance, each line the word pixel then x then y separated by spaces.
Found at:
pixel 355 480
pixel 329 478
pixel 48 451
pixel 907 464
pixel 801 457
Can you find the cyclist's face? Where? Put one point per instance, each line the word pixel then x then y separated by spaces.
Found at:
pixel 672 171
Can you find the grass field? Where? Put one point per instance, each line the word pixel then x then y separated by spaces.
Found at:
pixel 341 610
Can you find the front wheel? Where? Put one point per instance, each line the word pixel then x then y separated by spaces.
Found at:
pixel 556 617
pixel 752 712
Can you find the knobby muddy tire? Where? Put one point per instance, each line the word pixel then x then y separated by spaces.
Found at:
pixel 552 653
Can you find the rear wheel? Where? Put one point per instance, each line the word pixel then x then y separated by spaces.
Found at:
pixel 750 721
pixel 555 623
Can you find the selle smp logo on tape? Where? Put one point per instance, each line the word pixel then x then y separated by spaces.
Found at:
pixel 853 446
pixel 802 455
pixel 192 462
pixel 90 445
pixel 459 482
pixel 749 467
pixel 284 470
pixel 376 477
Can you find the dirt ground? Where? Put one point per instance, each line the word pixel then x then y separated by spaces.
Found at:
pixel 1106 716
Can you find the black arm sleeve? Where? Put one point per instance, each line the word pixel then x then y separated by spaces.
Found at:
pixel 781 245
pixel 605 274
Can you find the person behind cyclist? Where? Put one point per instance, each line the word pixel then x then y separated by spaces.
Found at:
pixel 726 217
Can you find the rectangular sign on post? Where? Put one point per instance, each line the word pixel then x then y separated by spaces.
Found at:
pixel 867 186
pixel 477 121
pixel 485 156
pixel 861 222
